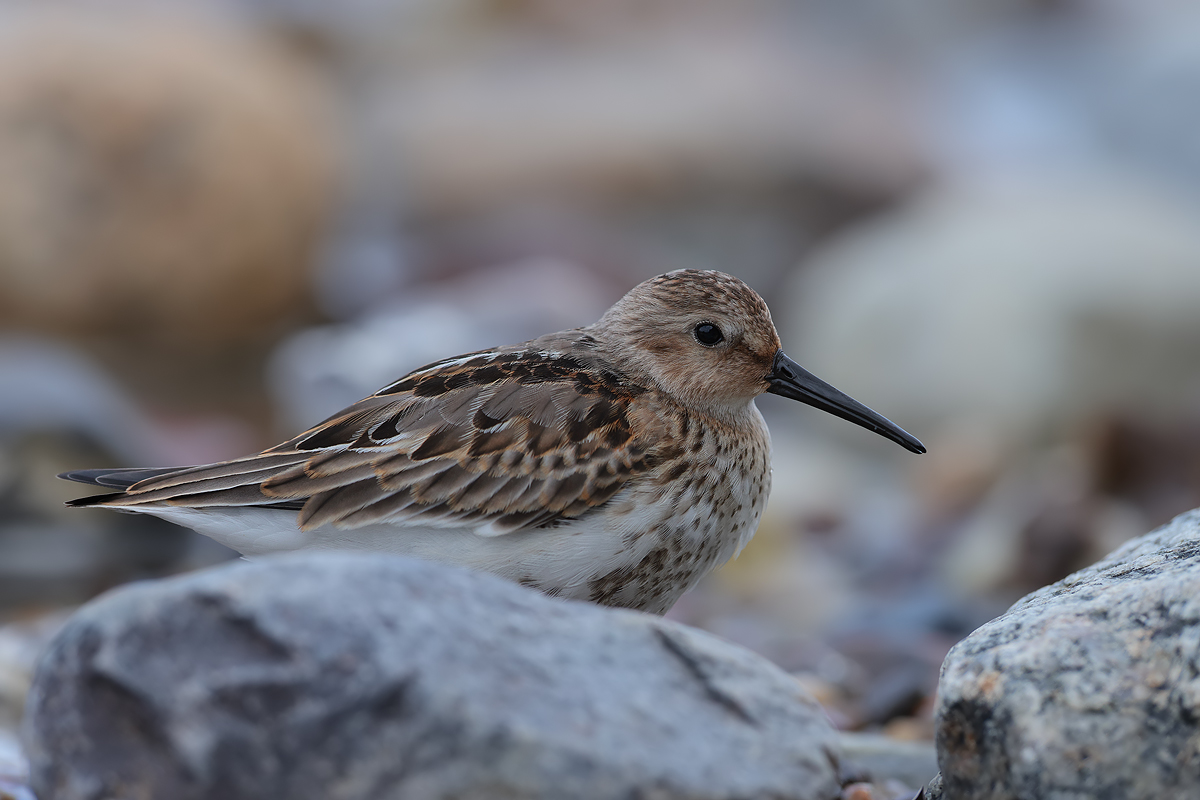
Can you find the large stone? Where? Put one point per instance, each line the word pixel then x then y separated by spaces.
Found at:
pixel 1013 309
pixel 1088 688
pixel 361 676
pixel 160 179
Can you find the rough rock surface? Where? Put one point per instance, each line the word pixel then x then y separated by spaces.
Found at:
pixel 361 676
pixel 1088 688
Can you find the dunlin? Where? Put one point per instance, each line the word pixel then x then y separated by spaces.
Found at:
pixel 617 463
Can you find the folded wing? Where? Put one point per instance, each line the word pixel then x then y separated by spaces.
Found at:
pixel 498 442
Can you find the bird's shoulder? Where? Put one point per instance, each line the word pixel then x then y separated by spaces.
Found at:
pixel 554 385
pixel 506 439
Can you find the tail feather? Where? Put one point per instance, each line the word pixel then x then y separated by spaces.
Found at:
pixel 92 500
pixel 235 494
pixel 110 478
pixel 117 478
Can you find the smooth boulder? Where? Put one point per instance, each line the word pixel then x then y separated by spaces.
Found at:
pixel 339 676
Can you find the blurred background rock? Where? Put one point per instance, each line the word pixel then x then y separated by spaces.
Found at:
pixel 220 221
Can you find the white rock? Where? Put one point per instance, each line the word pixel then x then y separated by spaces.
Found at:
pixel 1022 307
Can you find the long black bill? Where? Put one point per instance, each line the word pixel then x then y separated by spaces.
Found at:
pixel 789 379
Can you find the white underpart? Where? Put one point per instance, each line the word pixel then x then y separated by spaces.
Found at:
pixel 565 557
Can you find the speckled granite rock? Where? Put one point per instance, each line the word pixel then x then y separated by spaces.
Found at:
pixel 340 676
pixel 1088 688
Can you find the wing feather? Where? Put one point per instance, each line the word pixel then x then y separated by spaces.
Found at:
pixel 186 486
pixel 336 506
pixel 499 442
pixel 236 469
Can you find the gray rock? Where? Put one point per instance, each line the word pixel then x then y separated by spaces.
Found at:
pixel 341 676
pixel 872 757
pixel 1088 688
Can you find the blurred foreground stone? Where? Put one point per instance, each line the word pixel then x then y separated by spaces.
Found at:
pixel 355 676
pixel 1089 687
pixel 159 178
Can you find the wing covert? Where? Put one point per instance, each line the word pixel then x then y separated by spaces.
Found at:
pixel 496 441
pixel 501 442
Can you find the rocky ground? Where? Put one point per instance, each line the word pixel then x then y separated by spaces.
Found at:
pixel 363 676
pixel 360 676
pixel 220 221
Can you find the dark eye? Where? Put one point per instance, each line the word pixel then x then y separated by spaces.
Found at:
pixel 708 334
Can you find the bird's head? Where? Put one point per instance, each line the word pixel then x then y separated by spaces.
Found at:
pixel 707 339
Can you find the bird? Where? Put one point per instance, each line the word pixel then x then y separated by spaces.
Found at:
pixel 616 463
